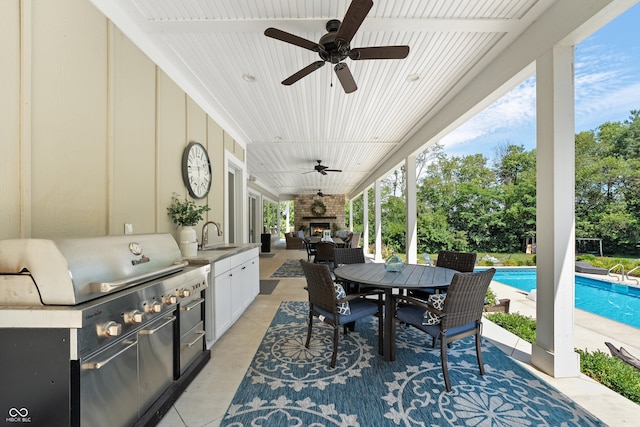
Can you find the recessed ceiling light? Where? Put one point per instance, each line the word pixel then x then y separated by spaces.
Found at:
pixel 277 138
pixel 249 78
pixel 413 77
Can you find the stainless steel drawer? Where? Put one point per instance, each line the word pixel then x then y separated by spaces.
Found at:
pixel 191 346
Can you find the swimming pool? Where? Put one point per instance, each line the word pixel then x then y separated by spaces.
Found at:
pixel 613 300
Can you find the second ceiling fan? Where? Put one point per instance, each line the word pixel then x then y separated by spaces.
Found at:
pixel 322 169
pixel 335 46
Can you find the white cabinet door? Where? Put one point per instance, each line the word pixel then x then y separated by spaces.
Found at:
pixel 237 283
pixel 251 281
pixel 222 309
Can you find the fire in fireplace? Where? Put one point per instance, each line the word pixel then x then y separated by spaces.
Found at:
pixel 316 228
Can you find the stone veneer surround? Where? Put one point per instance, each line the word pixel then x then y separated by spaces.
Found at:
pixel 335 212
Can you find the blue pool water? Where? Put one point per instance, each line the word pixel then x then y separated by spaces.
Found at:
pixel 612 300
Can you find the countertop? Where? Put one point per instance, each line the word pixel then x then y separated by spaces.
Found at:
pixel 220 251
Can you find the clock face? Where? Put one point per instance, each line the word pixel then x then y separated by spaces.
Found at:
pixel 196 170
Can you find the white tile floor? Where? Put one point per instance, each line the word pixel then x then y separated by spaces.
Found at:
pixel 206 399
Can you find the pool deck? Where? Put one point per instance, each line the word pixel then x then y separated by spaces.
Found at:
pixel 590 332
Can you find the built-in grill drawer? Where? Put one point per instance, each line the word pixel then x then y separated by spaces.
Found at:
pixel 191 346
pixel 191 313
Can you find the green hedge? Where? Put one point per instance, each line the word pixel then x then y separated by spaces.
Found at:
pixel 609 371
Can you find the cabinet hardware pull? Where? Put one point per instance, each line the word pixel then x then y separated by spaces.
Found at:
pixel 193 305
pixel 153 331
pixel 192 343
pixel 98 365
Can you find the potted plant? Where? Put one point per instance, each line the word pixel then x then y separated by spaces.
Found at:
pixel 186 214
pixel 493 304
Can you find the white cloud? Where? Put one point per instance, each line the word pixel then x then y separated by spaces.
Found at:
pixel 516 108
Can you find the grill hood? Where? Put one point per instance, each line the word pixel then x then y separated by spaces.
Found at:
pixel 72 271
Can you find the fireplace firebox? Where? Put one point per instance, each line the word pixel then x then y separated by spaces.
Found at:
pixel 316 228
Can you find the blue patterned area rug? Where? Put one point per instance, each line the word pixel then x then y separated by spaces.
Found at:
pixel 289 385
pixel 289 268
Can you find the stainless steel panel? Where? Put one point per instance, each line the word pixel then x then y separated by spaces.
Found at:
pixel 108 386
pixel 64 270
pixel 155 347
pixel 191 313
pixel 191 346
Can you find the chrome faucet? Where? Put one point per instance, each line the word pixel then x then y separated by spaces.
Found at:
pixel 205 233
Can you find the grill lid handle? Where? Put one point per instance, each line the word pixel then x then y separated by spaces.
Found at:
pixel 104 287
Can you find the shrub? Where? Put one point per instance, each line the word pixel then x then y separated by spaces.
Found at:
pixel 516 323
pixel 611 372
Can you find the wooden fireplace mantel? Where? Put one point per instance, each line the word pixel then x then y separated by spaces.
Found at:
pixel 319 217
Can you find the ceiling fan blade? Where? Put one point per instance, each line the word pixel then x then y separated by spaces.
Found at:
pixel 379 52
pixel 333 170
pixel 302 73
pixel 345 77
pixel 323 172
pixel 277 34
pixel 352 20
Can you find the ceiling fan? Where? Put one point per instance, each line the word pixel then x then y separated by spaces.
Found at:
pixel 320 168
pixel 320 193
pixel 335 46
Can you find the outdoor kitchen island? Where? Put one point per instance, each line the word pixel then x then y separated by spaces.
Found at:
pixel 98 331
pixel 234 283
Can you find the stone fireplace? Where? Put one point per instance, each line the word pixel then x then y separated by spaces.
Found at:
pixel 316 213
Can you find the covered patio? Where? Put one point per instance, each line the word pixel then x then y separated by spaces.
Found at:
pixel 367 136
pixel 208 398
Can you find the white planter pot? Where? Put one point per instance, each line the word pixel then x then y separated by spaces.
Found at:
pixel 188 240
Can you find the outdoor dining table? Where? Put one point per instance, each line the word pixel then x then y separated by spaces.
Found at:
pixel 338 241
pixel 412 276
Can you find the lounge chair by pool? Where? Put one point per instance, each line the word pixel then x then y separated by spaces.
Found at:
pixel 585 267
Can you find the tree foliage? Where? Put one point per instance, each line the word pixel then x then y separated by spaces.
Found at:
pixel 466 203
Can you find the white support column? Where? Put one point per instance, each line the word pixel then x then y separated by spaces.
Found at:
pixel 287 218
pixel 378 214
pixel 412 210
pixel 365 220
pixel 553 351
pixel 278 216
pixel 350 215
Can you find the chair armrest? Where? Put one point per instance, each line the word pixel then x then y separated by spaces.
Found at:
pixel 419 303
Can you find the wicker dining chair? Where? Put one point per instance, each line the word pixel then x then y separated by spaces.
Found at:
pixel 329 303
pixel 311 249
pixel 464 262
pixel 325 253
pixel 345 256
pixel 460 314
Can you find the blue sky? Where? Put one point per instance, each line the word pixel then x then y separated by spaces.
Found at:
pixel 607 88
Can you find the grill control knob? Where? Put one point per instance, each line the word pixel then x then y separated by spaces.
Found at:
pixel 154 307
pixel 183 293
pixel 133 317
pixel 110 329
pixel 170 300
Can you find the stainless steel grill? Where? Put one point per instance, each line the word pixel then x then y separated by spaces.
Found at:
pixel 107 310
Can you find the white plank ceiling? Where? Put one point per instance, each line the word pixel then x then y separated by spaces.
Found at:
pixel 207 46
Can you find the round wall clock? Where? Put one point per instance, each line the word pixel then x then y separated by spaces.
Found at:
pixel 196 170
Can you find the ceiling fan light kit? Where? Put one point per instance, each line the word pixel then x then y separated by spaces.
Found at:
pixel 334 47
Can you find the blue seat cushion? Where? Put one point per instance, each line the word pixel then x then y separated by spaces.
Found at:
pixel 359 308
pixel 414 315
